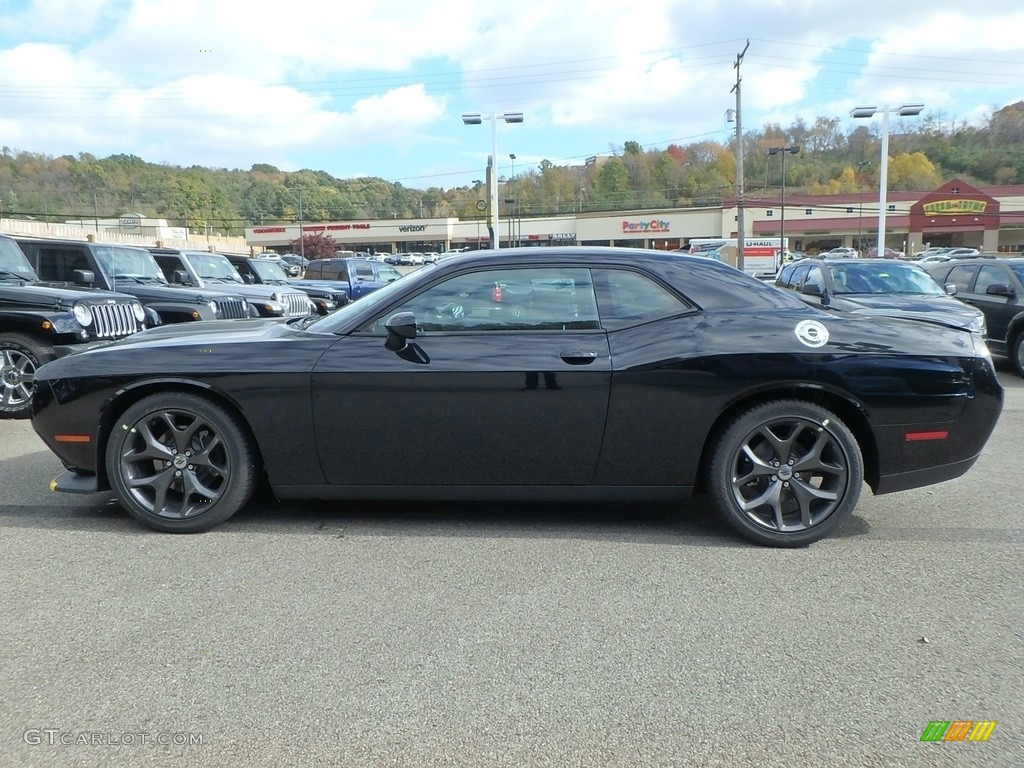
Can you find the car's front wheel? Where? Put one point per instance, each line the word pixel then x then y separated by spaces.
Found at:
pixel 20 356
pixel 181 463
pixel 786 473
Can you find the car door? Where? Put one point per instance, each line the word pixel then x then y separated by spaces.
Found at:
pixel 498 397
pixel 999 309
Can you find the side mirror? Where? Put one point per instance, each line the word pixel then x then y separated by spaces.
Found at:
pixel 83 277
pixel 401 329
pixel 950 289
pixel 179 277
pixel 998 289
pixel 811 289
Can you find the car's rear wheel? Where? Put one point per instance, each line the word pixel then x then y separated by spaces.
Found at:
pixel 20 356
pixel 1017 354
pixel 786 473
pixel 181 463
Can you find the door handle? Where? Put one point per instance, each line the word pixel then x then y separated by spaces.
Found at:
pixel 578 357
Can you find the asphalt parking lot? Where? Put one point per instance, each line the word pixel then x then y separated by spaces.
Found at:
pixel 372 634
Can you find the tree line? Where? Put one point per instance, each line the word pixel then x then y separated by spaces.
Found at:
pixel 924 153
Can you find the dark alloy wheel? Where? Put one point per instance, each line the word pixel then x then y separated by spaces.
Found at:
pixel 786 473
pixel 181 463
pixel 20 356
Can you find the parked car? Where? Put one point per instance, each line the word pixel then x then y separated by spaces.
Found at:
pixel 353 277
pixel 203 269
pixel 996 287
pixel 671 374
pixel 888 253
pixel 841 253
pixel 42 321
pixel 289 268
pixel 297 263
pixel 269 272
pixel 880 287
pixel 132 270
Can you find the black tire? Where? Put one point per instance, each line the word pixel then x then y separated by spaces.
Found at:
pixel 180 463
pixel 786 473
pixel 20 357
pixel 1017 354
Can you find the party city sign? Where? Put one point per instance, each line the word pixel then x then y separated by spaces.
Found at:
pixel 647 225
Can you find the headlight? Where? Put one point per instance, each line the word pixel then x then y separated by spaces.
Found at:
pixel 977 325
pixel 139 310
pixel 214 307
pixel 82 315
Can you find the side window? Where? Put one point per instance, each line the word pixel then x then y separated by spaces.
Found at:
pixel 786 277
pixel 59 264
pixel 630 298
pixel 989 275
pixel 814 277
pixel 962 276
pixel 798 276
pixel 541 299
pixel 167 265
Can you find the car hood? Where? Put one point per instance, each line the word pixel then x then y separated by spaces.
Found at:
pixel 56 296
pixel 168 292
pixel 942 310
pixel 209 331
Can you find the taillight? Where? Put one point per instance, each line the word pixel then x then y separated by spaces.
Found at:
pixel 496 295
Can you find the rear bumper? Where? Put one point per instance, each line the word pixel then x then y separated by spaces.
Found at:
pixel 920 477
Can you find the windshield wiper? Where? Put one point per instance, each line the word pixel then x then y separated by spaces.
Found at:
pixel 127 277
pixel 5 273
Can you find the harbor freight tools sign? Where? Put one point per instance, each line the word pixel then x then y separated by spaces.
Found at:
pixel 958 730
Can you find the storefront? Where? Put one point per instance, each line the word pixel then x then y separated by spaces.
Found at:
pixel 954 214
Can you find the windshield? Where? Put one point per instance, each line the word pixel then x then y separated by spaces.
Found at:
pixel 339 317
pixel 213 266
pixel 387 273
pixel 269 271
pixel 883 279
pixel 128 263
pixel 14 262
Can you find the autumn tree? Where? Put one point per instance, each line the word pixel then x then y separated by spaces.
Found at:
pixel 314 246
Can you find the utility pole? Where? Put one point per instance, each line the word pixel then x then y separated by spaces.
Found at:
pixel 739 161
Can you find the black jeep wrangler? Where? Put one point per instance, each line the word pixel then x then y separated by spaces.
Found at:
pixel 40 322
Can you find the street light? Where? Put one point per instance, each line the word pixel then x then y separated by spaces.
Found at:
pixel 475 118
pixel 512 214
pixel 906 110
pixel 772 151
pixel 860 214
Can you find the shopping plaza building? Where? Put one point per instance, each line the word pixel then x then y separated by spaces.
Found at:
pixel 956 214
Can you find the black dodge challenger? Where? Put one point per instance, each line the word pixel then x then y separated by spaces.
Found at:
pixel 534 373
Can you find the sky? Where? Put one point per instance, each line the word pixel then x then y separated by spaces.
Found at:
pixel 377 88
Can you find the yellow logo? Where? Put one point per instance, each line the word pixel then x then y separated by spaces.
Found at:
pixel 954 207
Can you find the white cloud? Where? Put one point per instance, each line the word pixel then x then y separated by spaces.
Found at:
pixel 378 86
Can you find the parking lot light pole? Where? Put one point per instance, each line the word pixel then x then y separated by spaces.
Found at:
pixel 906 110
pixel 475 118
pixel 772 151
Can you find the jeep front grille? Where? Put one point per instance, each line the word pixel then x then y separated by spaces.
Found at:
pixel 113 321
pixel 295 304
pixel 232 309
